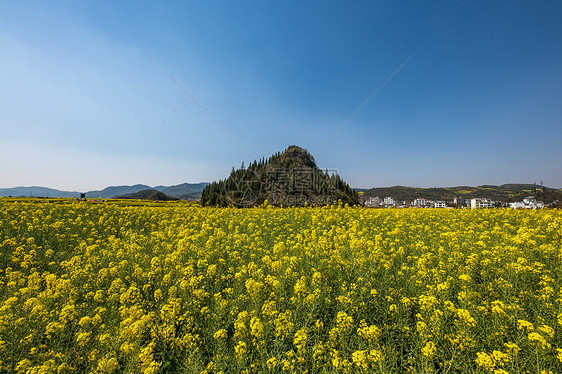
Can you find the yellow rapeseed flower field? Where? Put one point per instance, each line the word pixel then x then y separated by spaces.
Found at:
pixel 175 288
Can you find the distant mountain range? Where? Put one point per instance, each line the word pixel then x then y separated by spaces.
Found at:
pixel 192 191
pixel 36 191
pixel 185 191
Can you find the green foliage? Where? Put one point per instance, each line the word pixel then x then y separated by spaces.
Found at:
pixel 290 178
pixel 150 194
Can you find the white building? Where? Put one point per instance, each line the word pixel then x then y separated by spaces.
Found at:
pixel 458 200
pixel 439 204
pixel 540 204
pixel 481 203
pixel 372 201
pixel 528 202
pixel 419 202
pixel 389 201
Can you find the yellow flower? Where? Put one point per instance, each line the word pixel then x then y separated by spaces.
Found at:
pixel 343 321
pixel 421 327
pixel 360 358
pixel 256 327
pixel 547 330
pixel 465 317
pixel 135 282
pixel 522 325
pixel 499 357
pixel 151 368
pixel 126 348
pixel 221 334
pixel 300 338
pixel 485 361
pixel 158 295
pixel 538 339
pixel 498 308
pixel 53 328
pixel 512 348
pixel 271 363
pixel 427 301
pixel 370 333
pixel 108 365
pixel 335 358
pixel 84 321
pixel 240 349
pixel 82 338
pixel 365 359
pixel 300 286
pixel 375 355
pixel 23 365
pixel 429 349
pixel 67 314
pixel 500 371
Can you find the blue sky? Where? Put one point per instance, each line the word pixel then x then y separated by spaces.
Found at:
pixel 83 104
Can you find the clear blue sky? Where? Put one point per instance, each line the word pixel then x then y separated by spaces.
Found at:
pixel 83 104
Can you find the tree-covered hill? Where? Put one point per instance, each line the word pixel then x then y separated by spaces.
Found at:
pixel 289 178
pixel 149 194
pixel 505 192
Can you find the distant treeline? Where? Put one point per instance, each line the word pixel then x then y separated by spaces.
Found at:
pixel 505 192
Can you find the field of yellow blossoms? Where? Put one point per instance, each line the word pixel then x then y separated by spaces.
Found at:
pixel 175 288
